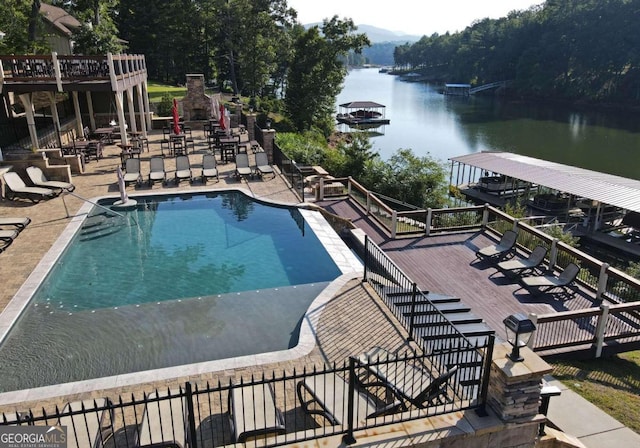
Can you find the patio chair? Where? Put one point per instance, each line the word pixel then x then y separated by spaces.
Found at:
pixel 329 398
pixel 503 249
pixel 132 171
pixel 262 165
pixel 18 189
pixel 408 382
pixel 547 283
pixel 38 179
pixel 209 167
pixel 157 171
pixel 242 166
pixel 165 421
pixel 253 412
pixel 520 266
pixel 90 429
pixel 19 223
pixel 183 169
pixel 7 237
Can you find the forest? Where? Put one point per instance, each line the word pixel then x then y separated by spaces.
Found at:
pixel 576 50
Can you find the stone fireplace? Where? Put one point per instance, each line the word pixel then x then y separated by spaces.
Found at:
pixel 196 105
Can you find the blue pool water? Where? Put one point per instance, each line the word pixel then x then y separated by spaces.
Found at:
pixel 180 279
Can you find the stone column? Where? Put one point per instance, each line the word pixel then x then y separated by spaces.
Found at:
pixel 514 387
pixel 251 125
pixel 268 136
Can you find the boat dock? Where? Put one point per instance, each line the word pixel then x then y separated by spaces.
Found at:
pixel 362 113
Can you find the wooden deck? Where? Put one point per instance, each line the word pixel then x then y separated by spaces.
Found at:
pixel 447 264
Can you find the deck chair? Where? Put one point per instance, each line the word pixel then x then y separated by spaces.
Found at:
pixel 547 283
pixel 18 189
pixel 7 237
pixel 520 266
pixel 328 397
pixel 504 248
pixel 253 412
pixel 408 382
pixel 132 171
pixel 209 167
pixel 19 223
pixel 165 421
pixel 262 164
pixel 90 429
pixel 242 166
pixel 157 171
pixel 38 179
pixel 183 169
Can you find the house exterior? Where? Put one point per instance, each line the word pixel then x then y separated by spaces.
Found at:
pixel 59 28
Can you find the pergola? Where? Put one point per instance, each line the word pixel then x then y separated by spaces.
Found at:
pixel 25 74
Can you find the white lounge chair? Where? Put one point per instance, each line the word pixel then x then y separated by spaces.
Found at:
pixel 243 170
pixel 164 422
pixel 157 171
pixel 262 164
pixel 209 167
pixel 132 171
pixel 7 237
pixel 183 169
pixel 18 189
pixel 40 180
pixel 18 223
pixel 91 428
pixel 253 412
pixel 504 248
pixel 547 283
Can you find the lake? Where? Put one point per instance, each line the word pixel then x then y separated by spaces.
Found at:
pixel 428 122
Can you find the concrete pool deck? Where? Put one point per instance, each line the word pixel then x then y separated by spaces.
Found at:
pixel 49 221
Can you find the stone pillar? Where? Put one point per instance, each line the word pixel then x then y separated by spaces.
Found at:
pixel 251 125
pixel 514 387
pixel 268 136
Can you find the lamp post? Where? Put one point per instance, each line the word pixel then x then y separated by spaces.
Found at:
pixel 268 123
pixel 519 330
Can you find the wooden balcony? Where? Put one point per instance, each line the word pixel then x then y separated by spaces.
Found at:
pixel 63 73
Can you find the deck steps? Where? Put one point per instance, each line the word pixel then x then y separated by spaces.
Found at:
pixel 461 317
pixel 435 308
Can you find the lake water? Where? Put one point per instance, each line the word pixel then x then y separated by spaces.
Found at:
pixel 428 122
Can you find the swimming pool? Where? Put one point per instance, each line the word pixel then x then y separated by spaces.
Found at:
pixel 181 279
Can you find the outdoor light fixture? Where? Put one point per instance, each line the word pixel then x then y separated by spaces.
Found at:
pixel 268 123
pixel 519 330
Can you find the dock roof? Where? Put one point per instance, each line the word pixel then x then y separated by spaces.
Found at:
pixel 605 188
pixel 361 104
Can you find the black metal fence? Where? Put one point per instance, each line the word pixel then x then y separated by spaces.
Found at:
pixel 294 174
pixel 372 389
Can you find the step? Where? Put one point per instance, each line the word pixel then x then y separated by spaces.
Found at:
pixel 463 317
pixel 433 308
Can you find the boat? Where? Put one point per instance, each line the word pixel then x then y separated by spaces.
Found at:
pixel 362 113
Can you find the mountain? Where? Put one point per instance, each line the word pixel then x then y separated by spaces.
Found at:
pixel 378 35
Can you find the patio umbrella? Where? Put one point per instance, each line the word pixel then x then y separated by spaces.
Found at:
pixel 214 107
pixel 176 117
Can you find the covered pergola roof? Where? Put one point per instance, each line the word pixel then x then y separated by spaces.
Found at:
pixel 605 188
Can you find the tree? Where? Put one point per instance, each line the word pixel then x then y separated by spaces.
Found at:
pixel 22 25
pixel 316 74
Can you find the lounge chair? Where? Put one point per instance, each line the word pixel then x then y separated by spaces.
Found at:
pixel 329 397
pixel 91 428
pixel 38 179
pixel 18 223
pixel 253 412
pixel 183 169
pixel 18 189
pixel 547 283
pixel 209 167
pixel 7 237
pixel 164 422
pixel 262 164
pixel 243 170
pixel 157 172
pixel 408 382
pixel 504 248
pixel 132 171
pixel 520 266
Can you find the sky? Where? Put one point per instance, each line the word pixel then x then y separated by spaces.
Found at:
pixel 414 17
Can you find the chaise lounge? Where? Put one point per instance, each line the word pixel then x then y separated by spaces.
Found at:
pixel 547 283
pixel 89 429
pixel 165 421
pixel 7 237
pixel 18 189
pixel 504 248
pixel 38 179
pixel 520 266
pixel 253 412
pixel 19 223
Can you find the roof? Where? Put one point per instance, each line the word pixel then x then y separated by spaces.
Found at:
pixel 606 188
pixel 59 18
pixel 360 104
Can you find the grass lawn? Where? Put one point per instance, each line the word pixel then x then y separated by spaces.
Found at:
pixel 157 90
pixel 612 384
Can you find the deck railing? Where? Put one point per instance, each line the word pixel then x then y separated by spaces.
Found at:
pixel 228 411
pixel 607 285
